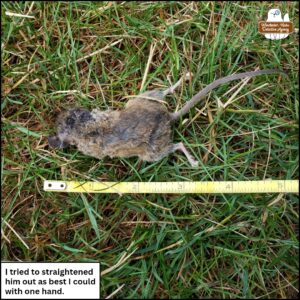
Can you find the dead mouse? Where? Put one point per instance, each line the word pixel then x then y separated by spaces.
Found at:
pixel 142 128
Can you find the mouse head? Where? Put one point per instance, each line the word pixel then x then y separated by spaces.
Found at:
pixel 68 127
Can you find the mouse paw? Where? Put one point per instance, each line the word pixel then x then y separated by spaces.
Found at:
pixel 194 163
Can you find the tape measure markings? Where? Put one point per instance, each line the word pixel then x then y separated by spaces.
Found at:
pixel 180 187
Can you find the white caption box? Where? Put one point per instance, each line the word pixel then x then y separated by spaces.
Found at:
pixel 50 280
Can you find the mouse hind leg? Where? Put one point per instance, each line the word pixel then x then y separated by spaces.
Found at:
pixel 155 155
pixel 172 88
pixel 182 148
pixel 158 94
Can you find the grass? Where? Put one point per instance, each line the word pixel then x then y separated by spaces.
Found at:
pixel 162 246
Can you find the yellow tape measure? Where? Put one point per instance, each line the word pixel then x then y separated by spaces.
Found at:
pixel 180 187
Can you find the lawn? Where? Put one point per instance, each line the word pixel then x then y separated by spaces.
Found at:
pixel 59 55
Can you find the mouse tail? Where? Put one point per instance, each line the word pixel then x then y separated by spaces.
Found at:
pixel 196 99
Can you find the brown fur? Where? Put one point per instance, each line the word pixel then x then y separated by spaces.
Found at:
pixel 142 128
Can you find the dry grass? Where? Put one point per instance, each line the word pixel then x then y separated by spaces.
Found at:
pixel 90 54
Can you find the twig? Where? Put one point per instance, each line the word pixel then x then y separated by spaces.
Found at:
pixel 114 292
pixel 11 14
pixel 152 48
pixel 17 235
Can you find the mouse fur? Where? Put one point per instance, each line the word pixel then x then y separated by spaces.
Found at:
pixel 142 128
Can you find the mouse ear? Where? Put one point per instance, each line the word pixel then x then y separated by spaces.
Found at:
pixel 55 142
pixel 82 114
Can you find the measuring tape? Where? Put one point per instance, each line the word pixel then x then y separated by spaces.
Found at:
pixel 180 187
